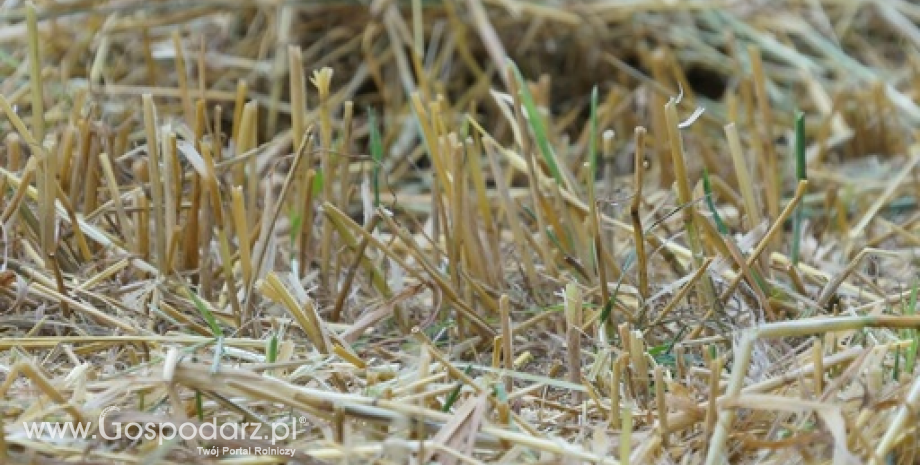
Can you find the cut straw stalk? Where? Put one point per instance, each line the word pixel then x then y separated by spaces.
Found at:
pixel 906 414
pixel 769 157
pixel 303 313
pixel 37 91
pixel 716 453
pixel 298 96
pixel 235 382
pixel 182 76
pixel 858 230
pixel 688 206
pixel 774 229
pixel 47 186
pixel 573 319
pixel 510 210
pixel 172 188
pixel 44 384
pixel 284 21
pixel 123 222
pixel 519 92
pixel 638 233
pixel 352 272
pixel 504 305
pixel 156 188
pixel 241 226
pixel 743 174
pixel 465 310
pixel 322 80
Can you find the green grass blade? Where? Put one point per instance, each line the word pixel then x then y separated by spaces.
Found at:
pixel 912 334
pixel 896 369
pixel 272 352
pixel 317 186
pixel 707 188
pixel 205 313
pixel 199 405
pixel 455 394
pixel 592 147
pixel 801 174
pixel 608 306
pixel 376 155
pixel 537 126
pixel 592 171
pixel 296 223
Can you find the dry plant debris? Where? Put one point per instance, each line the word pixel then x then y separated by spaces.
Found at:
pixel 460 231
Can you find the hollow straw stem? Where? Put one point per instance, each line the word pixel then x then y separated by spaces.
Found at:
pixel 684 196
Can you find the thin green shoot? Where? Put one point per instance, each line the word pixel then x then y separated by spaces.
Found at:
pixel 205 313
pixel 592 172
pixel 549 232
pixel 896 369
pixel 499 392
pixel 910 358
pixel 801 174
pixel 592 148
pixel 199 405
pixel 608 306
pixel 537 126
pixel 455 394
pixel 317 187
pixel 272 353
pixel 707 188
pixel 663 353
pixel 296 224
pixel 376 155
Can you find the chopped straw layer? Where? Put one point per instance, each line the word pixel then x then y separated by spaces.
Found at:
pixel 460 231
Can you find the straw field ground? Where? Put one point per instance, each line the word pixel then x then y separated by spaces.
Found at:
pixel 459 231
